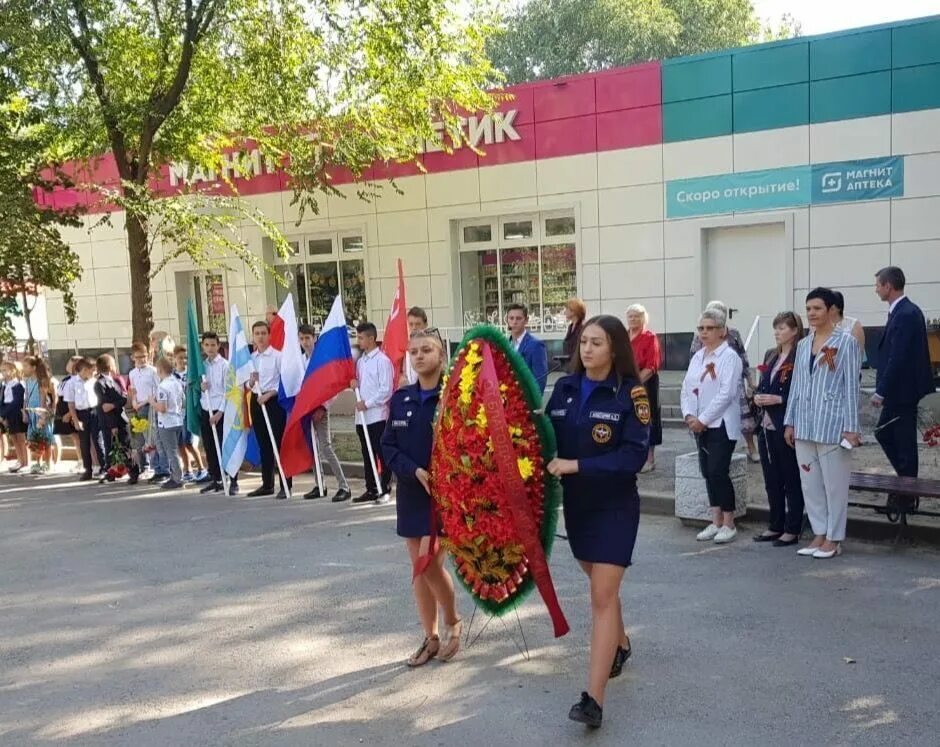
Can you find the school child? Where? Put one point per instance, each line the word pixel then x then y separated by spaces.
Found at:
pixel 12 415
pixel 39 404
pixel 189 444
pixel 82 402
pixel 143 388
pixel 167 402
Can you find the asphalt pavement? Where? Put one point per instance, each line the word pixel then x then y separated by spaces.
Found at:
pixel 129 616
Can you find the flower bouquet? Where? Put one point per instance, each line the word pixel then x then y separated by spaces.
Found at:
pixel 118 459
pixel 497 504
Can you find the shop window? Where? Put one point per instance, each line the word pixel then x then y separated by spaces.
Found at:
pixel 518 229
pixel 563 226
pixel 354 291
pixel 529 266
pixel 353 244
pixel 477 234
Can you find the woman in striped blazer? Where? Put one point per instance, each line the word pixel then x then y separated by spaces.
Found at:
pixel 822 420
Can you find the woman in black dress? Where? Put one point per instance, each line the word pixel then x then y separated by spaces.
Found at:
pixel 601 417
pixel 406 447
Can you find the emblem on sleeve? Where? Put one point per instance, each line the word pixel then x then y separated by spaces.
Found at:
pixel 601 433
pixel 641 404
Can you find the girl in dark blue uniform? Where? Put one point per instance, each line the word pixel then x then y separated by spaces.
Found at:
pixel 601 416
pixel 406 446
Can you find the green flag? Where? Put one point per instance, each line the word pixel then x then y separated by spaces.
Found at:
pixel 194 372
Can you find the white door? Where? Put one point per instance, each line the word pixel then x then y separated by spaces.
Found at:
pixel 746 268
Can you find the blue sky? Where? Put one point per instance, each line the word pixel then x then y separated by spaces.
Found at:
pixel 822 16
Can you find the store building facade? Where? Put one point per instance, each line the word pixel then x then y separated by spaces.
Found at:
pixel 749 175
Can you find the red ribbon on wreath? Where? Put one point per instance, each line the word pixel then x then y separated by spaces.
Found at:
pixel 515 491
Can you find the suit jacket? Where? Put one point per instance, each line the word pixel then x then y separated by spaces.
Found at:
pixel 779 385
pixel 823 401
pixel 904 371
pixel 533 352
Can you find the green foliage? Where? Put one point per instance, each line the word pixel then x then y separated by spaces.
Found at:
pixel 551 38
pixel 33 254
pixel 313 84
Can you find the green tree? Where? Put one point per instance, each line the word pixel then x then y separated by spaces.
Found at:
pixel 550 38
pixel 33 254
pixel 315 84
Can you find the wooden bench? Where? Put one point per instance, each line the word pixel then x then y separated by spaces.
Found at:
pixel 903 496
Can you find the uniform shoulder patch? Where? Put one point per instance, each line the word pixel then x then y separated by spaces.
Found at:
pixel 641 404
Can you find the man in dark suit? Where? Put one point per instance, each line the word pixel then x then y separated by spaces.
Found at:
pixel 530 347
pixel 904 372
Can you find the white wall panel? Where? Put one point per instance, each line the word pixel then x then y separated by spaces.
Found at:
pixel 834 267
pixel 771 149
pixel 567 174
pixel 632 279
pixel 918 259
pixel 851 223
pixel 624 205
pixel 638 241
pixel 625 168
pixel 453 187
pixel 508 181
pixel 682 277
pixel 915 219
pixel 847 140
pixel 916 132
pixel 690 158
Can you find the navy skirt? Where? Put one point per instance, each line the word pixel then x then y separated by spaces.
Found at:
pixel 413 509
pixel 603 533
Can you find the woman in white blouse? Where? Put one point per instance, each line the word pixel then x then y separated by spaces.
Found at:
pixel 711 395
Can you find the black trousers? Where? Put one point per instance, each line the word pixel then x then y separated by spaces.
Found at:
pixel 714 461
pixel 208 443
pixel 278 420
pixel 88 439
pixel 375 431
pixel 782 481
pixel 899 440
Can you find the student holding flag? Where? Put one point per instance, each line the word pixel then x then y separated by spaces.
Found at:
pixel 236 430
pixel 320 423
pixel 328 373
pixel 212 410
pixel 265 380
pixel 374 384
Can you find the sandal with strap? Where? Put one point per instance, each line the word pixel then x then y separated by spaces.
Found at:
pixel 452 644
pixel 427 651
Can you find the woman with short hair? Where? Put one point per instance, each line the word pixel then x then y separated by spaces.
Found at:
pixel 710 399
pixel 736 343
pixel 647 354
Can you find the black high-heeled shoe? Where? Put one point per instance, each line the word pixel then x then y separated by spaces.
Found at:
pixel 767 537
pixel 620 658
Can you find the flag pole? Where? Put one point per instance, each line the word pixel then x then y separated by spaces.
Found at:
pixel 277 452
pixel 215 440
pixel 362 417
pixel 317 472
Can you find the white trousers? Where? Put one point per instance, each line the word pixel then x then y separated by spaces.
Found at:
pixel 825 486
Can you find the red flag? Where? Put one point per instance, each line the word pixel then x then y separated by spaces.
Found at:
pixel 277 333
pixel 395 339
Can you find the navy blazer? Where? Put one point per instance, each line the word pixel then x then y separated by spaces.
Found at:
pixel 606 436
pixel 533 352
pixel 779 385
pixel 12 411
pixel 904 371
pixel 409 433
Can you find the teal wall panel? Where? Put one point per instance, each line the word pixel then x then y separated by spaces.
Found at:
pixel 915 88
pixel 696 79
pixel 851 54
pixel 770 108
pixel 916 44
pixel 698 118
pixel 773 66
pixel 850 97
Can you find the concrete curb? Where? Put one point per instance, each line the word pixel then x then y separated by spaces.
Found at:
pixel 875 529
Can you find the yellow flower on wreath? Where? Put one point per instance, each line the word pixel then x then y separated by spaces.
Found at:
pixel 526 468
pixel 481 419
pixel 468 374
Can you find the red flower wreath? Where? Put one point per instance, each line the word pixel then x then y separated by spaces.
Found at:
pixel 472 499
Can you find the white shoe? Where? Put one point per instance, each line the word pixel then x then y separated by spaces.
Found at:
pixel 753 458
pixel 807 551
pixel 708 533
pixel 383 499
pixel 725 535
pixel 826 554
pixel 17 467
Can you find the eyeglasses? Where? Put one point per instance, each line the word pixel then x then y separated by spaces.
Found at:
pixel 428 332
pixel 707 329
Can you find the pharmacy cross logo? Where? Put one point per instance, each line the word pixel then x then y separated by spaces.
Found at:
pixel 831 182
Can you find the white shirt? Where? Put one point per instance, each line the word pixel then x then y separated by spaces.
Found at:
pixel 214 397
pixel 170 393
pixel 714 399
pixel 268 366
pixel 144 381
pixel 895 302
pixel 376 384
pixel 83 393
pixel 8 391
pixel 517 342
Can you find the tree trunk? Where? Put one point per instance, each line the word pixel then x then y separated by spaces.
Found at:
pixel 30 340
pixel 141 299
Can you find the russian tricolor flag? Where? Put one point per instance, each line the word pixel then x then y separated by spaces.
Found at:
pixel 328 373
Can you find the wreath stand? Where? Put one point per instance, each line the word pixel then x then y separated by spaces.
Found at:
pixel 523 648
